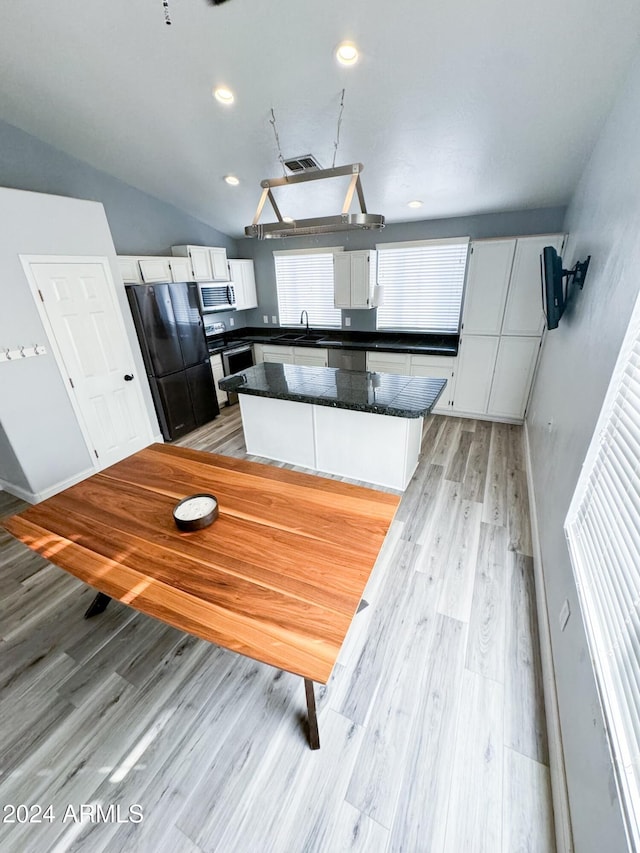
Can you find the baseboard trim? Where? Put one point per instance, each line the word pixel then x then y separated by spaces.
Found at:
pixel 560 796
pixel 36 497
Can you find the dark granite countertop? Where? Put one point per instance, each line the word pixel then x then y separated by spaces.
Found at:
pixel 423 344
pixel 358 390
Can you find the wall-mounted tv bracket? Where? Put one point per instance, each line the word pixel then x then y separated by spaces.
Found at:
pixel 578 274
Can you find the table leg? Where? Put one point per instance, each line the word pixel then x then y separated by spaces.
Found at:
pixel 314 736
pixel 98 605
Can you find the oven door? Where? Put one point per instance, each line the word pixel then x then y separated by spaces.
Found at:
pixel 233 361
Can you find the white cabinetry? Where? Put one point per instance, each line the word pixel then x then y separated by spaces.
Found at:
pixel 408 364
pixel 218 373
pixel 155 270
pixel 180 269
pixel 242 277
pixel 515 365
pixel 208 263
pixel 311 356
pixel 277 354
pixel 130 269
pixel 476 362
pixel 354 279
pixel 502 323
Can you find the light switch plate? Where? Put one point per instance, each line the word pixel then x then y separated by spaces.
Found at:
pixel 274 319
pixel 232 322
pixel 565 612
pixel 265 319
pixel 347 321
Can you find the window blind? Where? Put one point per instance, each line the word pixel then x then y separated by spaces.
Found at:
pixel 304 281
pixel 603 532
pixel 423 284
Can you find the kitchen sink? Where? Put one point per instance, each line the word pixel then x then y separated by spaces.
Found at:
pixel 291 337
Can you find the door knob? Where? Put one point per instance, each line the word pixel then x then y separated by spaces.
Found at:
pixel 128 377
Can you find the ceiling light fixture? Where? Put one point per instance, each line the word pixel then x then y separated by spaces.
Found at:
pixel 415 203
pixel 232 180
pixel 347 53
pixel 225 96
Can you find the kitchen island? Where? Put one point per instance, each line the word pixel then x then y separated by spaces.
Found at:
pixel 356 424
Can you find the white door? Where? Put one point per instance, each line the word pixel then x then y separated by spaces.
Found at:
pixel 476 361
pixel 512 378
pixel 94 354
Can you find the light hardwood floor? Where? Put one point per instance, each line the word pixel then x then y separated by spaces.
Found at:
pixel 432 726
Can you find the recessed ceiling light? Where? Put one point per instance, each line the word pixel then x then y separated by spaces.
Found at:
pixel 232 180
pixel 225 96
pixel 415 203
pixel 347 53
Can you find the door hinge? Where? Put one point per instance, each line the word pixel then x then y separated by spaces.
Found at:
pixel 96 452
pixel 71 382
pixel 41 296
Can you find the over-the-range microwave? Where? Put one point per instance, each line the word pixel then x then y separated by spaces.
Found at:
pixel 216 297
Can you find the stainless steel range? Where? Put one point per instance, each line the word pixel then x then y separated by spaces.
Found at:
pixel 236 356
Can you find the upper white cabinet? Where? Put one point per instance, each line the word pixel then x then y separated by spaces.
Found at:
pixel 208 263
pixel 180 269
pixel 243 278
pixel 523 313
pixel 155 270
pixel 130 269
pixel 354 279
pixel 488 276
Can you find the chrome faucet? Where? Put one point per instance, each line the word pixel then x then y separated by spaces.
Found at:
pixel 302 316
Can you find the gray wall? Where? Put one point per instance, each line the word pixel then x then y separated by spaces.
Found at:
pixel 576 365
pixel 547 220
pixel 139 223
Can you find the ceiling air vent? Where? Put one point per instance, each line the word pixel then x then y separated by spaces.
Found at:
pixel 306 163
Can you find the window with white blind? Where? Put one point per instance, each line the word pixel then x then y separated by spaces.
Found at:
pixel 603 532
pixel 305 283
pixel 423 283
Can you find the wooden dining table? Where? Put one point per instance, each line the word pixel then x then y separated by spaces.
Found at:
pixel 278 576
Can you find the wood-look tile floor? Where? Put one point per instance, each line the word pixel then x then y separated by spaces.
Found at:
pixel 432 726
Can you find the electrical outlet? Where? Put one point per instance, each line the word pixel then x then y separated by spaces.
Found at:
pixel 265 319
pixel 565 612
pixel 347 321
pixel 232 322
pixel 274 319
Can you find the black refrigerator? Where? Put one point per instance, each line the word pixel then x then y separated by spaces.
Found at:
pixel 174 349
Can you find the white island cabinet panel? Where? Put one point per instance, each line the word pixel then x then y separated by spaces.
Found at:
pixel 278 429
pixel 373 448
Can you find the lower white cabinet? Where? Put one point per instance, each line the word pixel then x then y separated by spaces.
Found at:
pixel 389 362
pixel 277 354
pixel 512 377
pixel 474 374
pixel 437 367
pixel 311 356
pixel 218 373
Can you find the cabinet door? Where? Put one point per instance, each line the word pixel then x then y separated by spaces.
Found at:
pixel 219 267
pixel 513 375
pixel 312 357
pixel 360 279
pixel 258 356
pixel 180 269
pixel 476 362
pixel 129 270
pixel 389 362
pixel 243 279
pixel 490 264
pixel 438 367
pixel 523 313
pixel 342 280
pixel 200 263
pixel 218 374
pixel 279 355
pixel 155 270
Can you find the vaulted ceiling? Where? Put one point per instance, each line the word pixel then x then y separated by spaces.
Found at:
pixel 467 106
